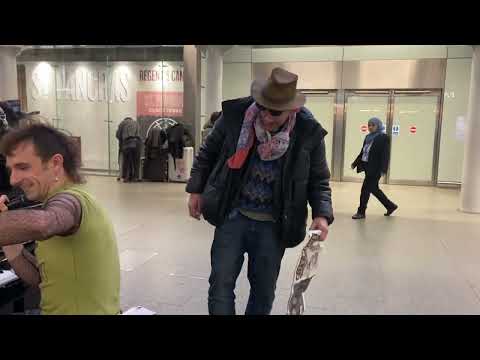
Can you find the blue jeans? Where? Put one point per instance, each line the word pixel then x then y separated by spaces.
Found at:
pixel 237 236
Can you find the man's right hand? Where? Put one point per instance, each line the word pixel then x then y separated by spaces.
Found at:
pixel 195 206
pixel 3 200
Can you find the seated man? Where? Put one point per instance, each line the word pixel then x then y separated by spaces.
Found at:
pixel 76 265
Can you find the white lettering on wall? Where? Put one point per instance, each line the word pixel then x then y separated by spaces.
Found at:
pixel 102 86
pixel 36 86
pixel 82 84
pixel 124 86
pixel 41 80
pixel 92 88
pixel 69 87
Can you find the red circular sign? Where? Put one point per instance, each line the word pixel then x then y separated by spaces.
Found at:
pixel 364 128
pixel 413 129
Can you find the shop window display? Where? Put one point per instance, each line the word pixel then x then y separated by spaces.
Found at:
pixel 89 99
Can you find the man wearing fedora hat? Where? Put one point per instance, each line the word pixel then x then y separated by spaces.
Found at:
pixel 252 178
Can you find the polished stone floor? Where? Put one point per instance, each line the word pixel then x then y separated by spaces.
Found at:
pixel 422 260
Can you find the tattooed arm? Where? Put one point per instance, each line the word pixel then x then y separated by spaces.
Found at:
pixel 60 216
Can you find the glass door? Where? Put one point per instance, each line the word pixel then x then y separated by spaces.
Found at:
pixel 322 106
pixel 360 106
pixel 415 117
pixel 81 108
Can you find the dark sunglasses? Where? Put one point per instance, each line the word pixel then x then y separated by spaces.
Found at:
pixel 272 112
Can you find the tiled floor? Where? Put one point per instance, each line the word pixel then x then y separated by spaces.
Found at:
pixel 423 260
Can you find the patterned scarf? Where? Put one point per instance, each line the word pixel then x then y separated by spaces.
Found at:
pixel 270 147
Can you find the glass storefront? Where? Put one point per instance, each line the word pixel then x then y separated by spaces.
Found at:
pixel 88 91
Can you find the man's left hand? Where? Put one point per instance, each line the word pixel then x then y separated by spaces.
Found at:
pixel 320 223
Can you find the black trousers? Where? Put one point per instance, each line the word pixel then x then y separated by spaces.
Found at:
pixel 370 186
pixel 130 164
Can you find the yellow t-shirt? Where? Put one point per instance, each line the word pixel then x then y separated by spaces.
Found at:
pixel 81 272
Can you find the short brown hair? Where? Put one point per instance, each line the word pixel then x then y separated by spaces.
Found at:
pixel 47 141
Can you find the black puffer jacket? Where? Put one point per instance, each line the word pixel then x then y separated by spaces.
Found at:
pixel 305 173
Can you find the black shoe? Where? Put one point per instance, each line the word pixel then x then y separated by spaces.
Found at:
pixel 390 211
pixel 358 216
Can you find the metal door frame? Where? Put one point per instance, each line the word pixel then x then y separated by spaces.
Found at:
pixel 391 94
pixel 367 93
pixel 436 143
pixel 334 94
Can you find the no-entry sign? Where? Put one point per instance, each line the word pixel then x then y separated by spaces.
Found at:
pixel 364 128
pixel 413 129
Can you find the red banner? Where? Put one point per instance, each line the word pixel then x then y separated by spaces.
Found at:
pixel 161 104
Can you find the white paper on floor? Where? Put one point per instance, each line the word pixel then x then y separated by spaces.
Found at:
pixel 188 276
pixel 139 310
pixel 131 259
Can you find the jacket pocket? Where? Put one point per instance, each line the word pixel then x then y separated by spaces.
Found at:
pixel 299 193
pixel 211 203
pixel 294 220
pixel 300 203
pixel 215 194
pixel 292 234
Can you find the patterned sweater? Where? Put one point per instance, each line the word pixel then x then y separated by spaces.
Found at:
pixel 256 197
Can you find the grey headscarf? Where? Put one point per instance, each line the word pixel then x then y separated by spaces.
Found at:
pixel 370 137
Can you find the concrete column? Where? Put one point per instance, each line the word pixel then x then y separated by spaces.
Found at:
pixel 191 91
pixel 8 72
pixel 470 194
pixel 213 101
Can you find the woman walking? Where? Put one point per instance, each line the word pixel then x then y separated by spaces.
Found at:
pixel 374 160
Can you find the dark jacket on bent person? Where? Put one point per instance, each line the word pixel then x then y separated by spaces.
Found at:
pixel 304 173
pixel 378 158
